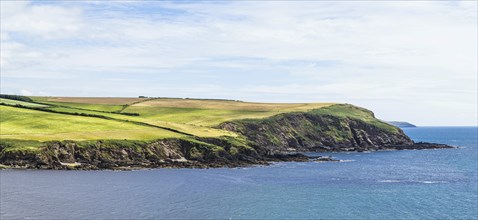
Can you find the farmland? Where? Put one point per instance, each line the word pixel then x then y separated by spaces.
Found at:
pixel 27 124
pixel 69 118
pixel 212 112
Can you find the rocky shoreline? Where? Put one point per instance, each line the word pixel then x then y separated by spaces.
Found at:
pixel 275 139
pixel 25 161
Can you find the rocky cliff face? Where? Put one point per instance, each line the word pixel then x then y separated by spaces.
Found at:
pixel 311 131
pixel 128 155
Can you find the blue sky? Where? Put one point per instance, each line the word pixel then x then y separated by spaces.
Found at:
pixel 411 61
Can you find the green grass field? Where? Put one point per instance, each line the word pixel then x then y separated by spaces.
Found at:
pixel 99 118
pixel 16 102
pixel 27 124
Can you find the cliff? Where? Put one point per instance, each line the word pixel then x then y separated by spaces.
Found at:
pixel 335 128
pixel 113 154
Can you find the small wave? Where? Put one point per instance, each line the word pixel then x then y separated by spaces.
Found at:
pixel 407 181
pixel 431 182
pixel 389 181
pixel 344 161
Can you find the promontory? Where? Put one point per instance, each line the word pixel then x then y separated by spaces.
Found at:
pixel 145 132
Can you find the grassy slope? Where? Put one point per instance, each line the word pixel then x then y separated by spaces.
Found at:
pixel 196 117
pixel 26 124
pixel 197 130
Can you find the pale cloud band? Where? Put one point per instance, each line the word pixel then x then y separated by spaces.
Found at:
pixel 414 61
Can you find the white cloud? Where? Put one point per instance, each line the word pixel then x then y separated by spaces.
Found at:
pixel 420 53
pixel 40 20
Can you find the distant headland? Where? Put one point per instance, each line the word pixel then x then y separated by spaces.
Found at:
pixel 402 124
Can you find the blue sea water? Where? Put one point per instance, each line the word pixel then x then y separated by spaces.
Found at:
pixel 411 184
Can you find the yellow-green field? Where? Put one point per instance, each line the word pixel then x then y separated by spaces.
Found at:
pixel 27 124
pixel 211 112
pixel 80 118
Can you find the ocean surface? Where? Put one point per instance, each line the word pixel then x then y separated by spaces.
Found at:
pixel 412 184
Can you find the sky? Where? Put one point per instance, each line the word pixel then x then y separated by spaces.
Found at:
pixel 412 61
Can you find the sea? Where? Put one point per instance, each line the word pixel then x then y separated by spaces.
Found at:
pixel 408 184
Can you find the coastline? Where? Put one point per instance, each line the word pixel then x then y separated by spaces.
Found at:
pixel 282 157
